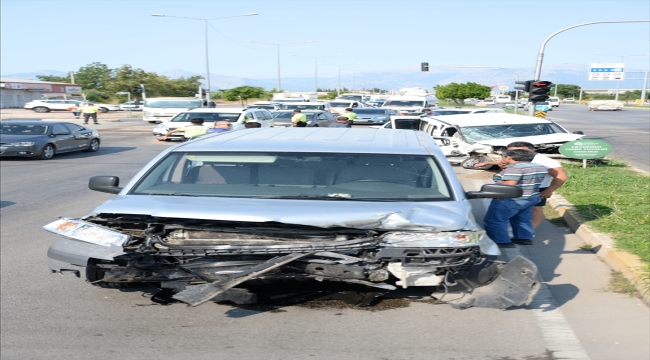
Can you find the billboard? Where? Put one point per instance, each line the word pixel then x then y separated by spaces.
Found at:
pixel 607 71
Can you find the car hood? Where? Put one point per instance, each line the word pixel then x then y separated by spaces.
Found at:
pixel 539 139
pixel 415 216
pixel 10 138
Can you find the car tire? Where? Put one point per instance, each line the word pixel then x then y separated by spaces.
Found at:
pixel 95 274
pixel 47 153
pixel 103 110
pixel 93 146
pixel 471 161
pixel 41 109
pixel 152 122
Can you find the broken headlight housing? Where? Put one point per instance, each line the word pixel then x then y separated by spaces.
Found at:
pixel 433 240
pixel 87 232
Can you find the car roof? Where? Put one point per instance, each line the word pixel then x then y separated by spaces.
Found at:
pixel 32 122
pixel 490 119
pixel 316 139
pixel 220 109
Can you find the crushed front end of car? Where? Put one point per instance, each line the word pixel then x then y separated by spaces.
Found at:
pixel 205 225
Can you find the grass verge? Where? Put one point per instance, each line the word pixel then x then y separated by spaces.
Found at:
pixel 613 199
pixel 619 284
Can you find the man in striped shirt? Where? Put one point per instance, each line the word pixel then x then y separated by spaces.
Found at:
pixel 518 171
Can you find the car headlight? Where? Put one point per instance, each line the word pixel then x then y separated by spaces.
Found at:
pixel 24 143
pixel 433 240
pixel 147 113
pixel 161 127
pixel 88 232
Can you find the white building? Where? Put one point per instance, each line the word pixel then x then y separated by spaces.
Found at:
pixel 15 93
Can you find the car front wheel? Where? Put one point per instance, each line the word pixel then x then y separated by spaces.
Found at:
pixel 47 153
pixel 103 110
pixel 93 146
pixel 41 109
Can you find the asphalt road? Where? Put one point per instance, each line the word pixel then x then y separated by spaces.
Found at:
pixel 628 130
pixel 59 316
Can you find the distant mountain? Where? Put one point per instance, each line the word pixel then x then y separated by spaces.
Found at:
pixel 393 80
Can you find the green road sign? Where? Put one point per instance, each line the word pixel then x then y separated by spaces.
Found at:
pixel 585 149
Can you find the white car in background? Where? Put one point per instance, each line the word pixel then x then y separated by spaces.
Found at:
pixel 569 100
pixel 605 105
pixel 43 106
pixel 132 105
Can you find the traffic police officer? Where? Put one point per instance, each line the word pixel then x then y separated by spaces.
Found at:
pixel 90 111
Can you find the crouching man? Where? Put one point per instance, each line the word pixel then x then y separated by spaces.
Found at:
pixel 518 171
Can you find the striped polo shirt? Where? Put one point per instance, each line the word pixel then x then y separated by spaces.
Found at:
pixel 529 176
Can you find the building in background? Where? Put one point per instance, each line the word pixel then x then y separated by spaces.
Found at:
pixel 14 93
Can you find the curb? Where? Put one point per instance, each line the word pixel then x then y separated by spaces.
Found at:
pixel 603 246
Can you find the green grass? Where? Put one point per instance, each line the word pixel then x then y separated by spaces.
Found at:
pixel 619 284
pixel 613 199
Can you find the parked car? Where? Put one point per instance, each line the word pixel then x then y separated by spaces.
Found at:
pixel 376 103
pixel 244 211
pixel 569 100
pixel 43 106
pixel 236 116
pixel 132 105
pixel 338 106
pixel 315 118
pixel 604 105
pixel 44 139
pixel 485 102
pixel 264 105
pixel 373 115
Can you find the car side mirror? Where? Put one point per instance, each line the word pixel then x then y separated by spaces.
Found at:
pixel 578 132
pixel 496 191
pixel 107 184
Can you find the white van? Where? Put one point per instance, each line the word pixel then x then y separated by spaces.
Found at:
pixel 554 102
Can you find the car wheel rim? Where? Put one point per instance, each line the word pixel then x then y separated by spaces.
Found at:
pixel 48 152
pixel 94 145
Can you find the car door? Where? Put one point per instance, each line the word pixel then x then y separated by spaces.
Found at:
pixel 81 136
pixel 62 138
pixel 262 118
pixel 322 120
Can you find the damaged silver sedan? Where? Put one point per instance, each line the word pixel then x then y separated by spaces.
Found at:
pixel 222 216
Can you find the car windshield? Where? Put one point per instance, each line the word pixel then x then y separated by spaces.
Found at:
pixel 188 104
pixel 295 175
pixel 21 129
pixel 352 97
pixel 370 111
pixel 403 103
pixel 301 107
pixel 491 132
pixel 283 115
pixel 207 117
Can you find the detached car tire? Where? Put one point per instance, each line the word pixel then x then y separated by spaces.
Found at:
pixel 95 274
pixel 470 162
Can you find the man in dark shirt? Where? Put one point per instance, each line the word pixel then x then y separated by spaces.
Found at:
pixel 341 122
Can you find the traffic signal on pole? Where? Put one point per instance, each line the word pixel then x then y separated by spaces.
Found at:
pixel 523 85
pixel 539 91
pixel 203 92
pixel 137 89
pixel 425 66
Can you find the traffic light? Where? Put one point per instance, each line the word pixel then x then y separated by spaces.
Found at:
pixel 539 90
pixel 203 92
pixel 523 85
pixel 425 66
pixel 137 89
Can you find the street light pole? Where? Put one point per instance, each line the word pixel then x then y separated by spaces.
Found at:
pixel 278 45
pixel 207 51
pixel 338 88
pixel 316 68
pixel 618 82
pixel 540 55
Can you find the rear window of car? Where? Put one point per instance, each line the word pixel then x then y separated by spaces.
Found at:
pixel 296 175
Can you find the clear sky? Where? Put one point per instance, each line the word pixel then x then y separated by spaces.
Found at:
pixel 382 35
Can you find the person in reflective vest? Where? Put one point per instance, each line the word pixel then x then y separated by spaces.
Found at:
pixel 299 119
pixel 351 115
pixel 189 132
pixel 90 111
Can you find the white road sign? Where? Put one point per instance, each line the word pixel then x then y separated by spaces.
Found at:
pixel 607 71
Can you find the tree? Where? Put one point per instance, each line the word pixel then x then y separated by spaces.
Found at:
pixel 459 92
pixel 244 93
pixel 53 78
pixel 94 76
pixel 566 90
